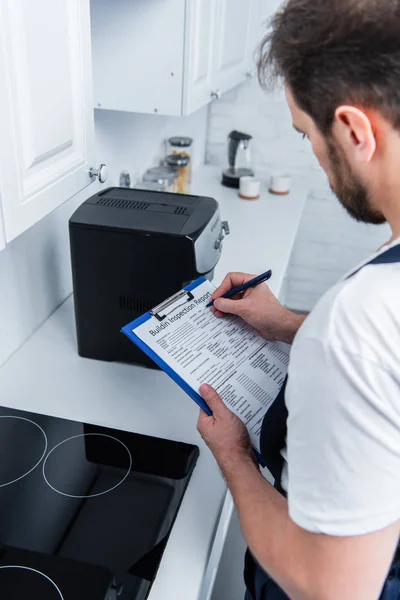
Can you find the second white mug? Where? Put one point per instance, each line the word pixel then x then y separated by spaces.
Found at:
pixel 280 184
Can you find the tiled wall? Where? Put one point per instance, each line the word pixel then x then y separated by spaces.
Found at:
pixel 329 242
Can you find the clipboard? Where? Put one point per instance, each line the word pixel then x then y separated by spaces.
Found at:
pixel 160 312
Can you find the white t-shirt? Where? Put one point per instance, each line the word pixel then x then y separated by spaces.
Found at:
pixel 343 396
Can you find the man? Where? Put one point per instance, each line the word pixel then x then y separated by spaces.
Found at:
pixel 335 535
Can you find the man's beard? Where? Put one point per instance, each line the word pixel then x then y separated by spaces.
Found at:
pixel 350 191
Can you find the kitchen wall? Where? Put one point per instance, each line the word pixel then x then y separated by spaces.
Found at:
pixel 135 142
pixel 329 242
pixel 35 268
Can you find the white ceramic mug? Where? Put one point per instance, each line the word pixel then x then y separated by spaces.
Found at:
pixel 249 188
pixel 280 184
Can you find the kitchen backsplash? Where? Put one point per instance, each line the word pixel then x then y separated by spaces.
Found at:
pixel 328 242
pixel 35 276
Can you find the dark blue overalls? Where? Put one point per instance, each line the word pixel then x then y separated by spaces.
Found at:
pixel 273 438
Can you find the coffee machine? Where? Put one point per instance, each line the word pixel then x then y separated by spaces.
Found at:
pixel 130 250
pixel 239 159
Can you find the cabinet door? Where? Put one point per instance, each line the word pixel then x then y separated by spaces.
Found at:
pixel 46 107
pixel 199 53
pixel 233 33
pixel 138 48
pixel 258 19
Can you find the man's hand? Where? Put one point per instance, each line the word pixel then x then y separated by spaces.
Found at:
pixel 258 307
pixel 223 432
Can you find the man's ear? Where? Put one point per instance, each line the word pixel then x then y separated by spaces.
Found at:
pixel 354 131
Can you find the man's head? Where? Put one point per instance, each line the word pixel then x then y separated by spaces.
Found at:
pixel 340 60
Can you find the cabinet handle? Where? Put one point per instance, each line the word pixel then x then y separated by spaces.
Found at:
pixel 216 94
pixel 101 173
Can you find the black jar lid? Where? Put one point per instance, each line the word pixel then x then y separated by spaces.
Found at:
pixel 183 142
pixel 177 160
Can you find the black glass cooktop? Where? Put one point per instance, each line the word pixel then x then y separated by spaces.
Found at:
pixel 85 511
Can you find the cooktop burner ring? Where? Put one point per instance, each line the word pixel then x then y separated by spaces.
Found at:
pixel 90 495
pixel 24 568
pixel 43 453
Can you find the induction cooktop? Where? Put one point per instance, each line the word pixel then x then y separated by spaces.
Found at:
pixel 85 511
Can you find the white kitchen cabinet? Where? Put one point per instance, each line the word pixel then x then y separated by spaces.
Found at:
pixel 46 107
pixel 169 57
pixel 260 13
pixel 138 50
pixel 198 64
pixel 232 43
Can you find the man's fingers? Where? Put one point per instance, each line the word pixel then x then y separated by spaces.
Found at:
pixel 212 398
pixel 231 281
pixel 227 306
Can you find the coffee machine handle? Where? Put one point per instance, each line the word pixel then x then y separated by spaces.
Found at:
pixel 235 138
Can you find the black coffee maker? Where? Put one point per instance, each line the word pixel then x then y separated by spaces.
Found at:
pixel 131 249
pixel 239 159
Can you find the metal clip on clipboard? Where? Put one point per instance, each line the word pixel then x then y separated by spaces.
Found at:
pixel 161 308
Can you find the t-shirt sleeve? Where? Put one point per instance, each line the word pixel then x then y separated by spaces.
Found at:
pixel 343 441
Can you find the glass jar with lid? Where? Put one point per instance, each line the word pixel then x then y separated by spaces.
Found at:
pixel 180 164
pixel 180 144
pixel 164 177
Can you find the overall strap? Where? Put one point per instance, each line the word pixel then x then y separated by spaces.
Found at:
pixel 389 257
pixel 273 436
pixel 274 428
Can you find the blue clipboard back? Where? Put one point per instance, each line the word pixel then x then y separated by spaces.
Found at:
pixel 129 331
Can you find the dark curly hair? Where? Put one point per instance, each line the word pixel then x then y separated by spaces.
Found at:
pixel 333 52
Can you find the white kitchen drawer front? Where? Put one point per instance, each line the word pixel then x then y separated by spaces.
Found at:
pixel 46 108
pixel 199 54
pixel 235 31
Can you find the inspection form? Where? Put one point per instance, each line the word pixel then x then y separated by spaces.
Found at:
pixel 246 370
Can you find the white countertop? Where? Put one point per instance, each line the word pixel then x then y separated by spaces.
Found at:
pixel 47 376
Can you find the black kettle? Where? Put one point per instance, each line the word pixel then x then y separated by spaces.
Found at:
pixel 239 159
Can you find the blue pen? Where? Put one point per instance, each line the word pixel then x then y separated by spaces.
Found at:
pixel 246 286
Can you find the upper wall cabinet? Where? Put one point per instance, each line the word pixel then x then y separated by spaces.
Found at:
pixel 170 56
pixel 233 42
pixel 46 107
pixel 198 64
